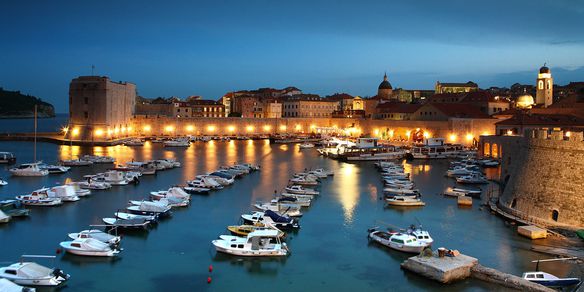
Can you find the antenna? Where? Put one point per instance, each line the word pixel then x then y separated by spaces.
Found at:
pixel 92 68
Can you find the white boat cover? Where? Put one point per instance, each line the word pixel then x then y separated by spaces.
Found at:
pixel 152 207
pixel 33 271
pixel 92 244
pixel 3 216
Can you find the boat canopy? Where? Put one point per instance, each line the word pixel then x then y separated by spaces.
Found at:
pixel 276 217
pixel 33 270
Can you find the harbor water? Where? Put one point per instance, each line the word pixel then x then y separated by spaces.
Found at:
pixel 329 252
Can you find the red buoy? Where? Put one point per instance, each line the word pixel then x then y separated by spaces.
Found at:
pixel 210 268
pixel 58 251
pixel 208 280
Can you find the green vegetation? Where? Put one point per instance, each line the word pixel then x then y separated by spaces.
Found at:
pixel 13 104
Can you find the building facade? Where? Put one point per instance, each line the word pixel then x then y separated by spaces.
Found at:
pixel 100 108
pixel 455 87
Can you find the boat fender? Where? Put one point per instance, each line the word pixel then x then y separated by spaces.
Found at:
pixel 209 280
pixel 210 268
pixel 58 251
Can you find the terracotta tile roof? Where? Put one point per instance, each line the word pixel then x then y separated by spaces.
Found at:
pixel 458 110
pixel 543 120
pixel 398 107
pixel 475 96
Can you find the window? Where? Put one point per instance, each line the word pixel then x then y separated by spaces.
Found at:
pixel 555 215
pixel 86 100
pixel 11 272
pixel 86 114
pixel 540 84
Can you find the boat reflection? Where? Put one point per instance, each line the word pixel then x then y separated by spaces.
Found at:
pixel 260 266
pixel 77 260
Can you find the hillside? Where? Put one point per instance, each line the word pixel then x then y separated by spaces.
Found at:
pixel 13 104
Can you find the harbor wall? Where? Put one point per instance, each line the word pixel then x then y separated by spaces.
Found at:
pixel 542 176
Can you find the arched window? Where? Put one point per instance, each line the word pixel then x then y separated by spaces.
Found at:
pixel 549 84
pixel 495 151
pixel 555 215
pixel 487 149
pixel 540 84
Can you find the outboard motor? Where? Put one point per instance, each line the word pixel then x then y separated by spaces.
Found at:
pixel 136 180
pixel 60 274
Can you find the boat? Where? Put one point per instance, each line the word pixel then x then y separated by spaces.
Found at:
pixel 92 184
pixel 205 182
pixel 13 208
pixel 409 201
pixel 66 193
pixel 4 218
pixel 55 169
pixel 129 216
pixel 173 192
pixel 271 218
pixel 549 280
pixel 460 171
pixel 134 142
pixel 259 243
pixel 297 189
pixel 98 159
pixel 39 199
pixel 76 162
pixel 404 191
pixel 306 145
pixel 303 181
pixel 33 274
pixel 434 148
pixel 459 192
pixel 7 286
pixel 113 177
pixel 297 196
pixel 177 143
pixel 7 158
pixel 244 230
pixel 29 169
pixel 398 241
pixel 3 182
pixel 287 209
pixel 197 190
pixel 149 208
pixel 474 178
pixel 89 247
pixel 420 234
pixel 170 202
pixel 488 162
pixel 97 235
pixel 79 191
pixel 302 202
pixel 127 223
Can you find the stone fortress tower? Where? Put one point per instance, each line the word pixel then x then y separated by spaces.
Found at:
pixel 385 91
pixel 545 87
pixel 542 175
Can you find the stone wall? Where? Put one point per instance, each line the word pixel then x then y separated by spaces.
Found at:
pixel 542 176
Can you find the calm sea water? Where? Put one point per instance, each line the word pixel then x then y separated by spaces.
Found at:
pixel 329 252
pixel 54 124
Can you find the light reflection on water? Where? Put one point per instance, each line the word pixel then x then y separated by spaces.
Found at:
pixel 348 190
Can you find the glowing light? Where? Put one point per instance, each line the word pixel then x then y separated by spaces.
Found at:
pixel 417 129
pixel 147 128
pixel 169 128
pixel 190 128
pixel 298 127
pixel 123 129
pixel 509 132
pixel 335 126
pixel 231 129
pixel 98 132
pixel 75 132
pixel 408 132
pixel 391 133
pixel 116 130
pixel 426 135
pixel 469 137
pixel 130 129
pixel 283 128
pixel 109 132
pixel 313 126
pixel 452 137
pixel 211 128
pixel 267 128
pixel 65 130
pixel 568 134
pixel 376 132
pixel 249 128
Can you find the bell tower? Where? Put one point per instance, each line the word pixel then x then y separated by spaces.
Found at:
pixel 545 87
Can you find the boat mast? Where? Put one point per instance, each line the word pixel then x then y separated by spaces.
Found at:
pixel 35 132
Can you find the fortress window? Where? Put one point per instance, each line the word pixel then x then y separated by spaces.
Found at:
pixel 555 215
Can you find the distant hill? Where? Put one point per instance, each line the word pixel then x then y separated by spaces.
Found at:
pixel 13 104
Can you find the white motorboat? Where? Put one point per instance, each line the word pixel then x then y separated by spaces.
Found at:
pixel 29 169
pixel 286 209
pixel 99 159
pixel 173 192
pixel 407 201
pixel 404 191
pixel 66 193
pixel 4 218
pixel 33 274
pixel 170 202
pixel 205 182
pixel 474 178
pixel 550 280
pixel 302 202
pixel 96 234
pixel 177 143
pixel 89 247
pixel 304 181
pixel 137 223
pixel 7 158
pixel 297 189
pixel 488 163
pixel 306 146
pixel 113 177
pixel 7 286
pixel 150 208
pixel 79 191
pixel 398 241
pixel 91 184
pixel 460 171
pixel 129 216
pixel 76 162
pixel 13 208
pixel 271 218
pixel 134 142
pixel 55 169
pixel 258 243
pixel 39 198
pixel 420 234
pixel 197 190
pixel 3 182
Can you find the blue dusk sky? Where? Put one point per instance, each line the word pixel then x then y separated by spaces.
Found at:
pixel 181 48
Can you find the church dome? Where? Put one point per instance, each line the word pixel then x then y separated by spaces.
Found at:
pixel 525 101
pixel 544 69
pixel 385 84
